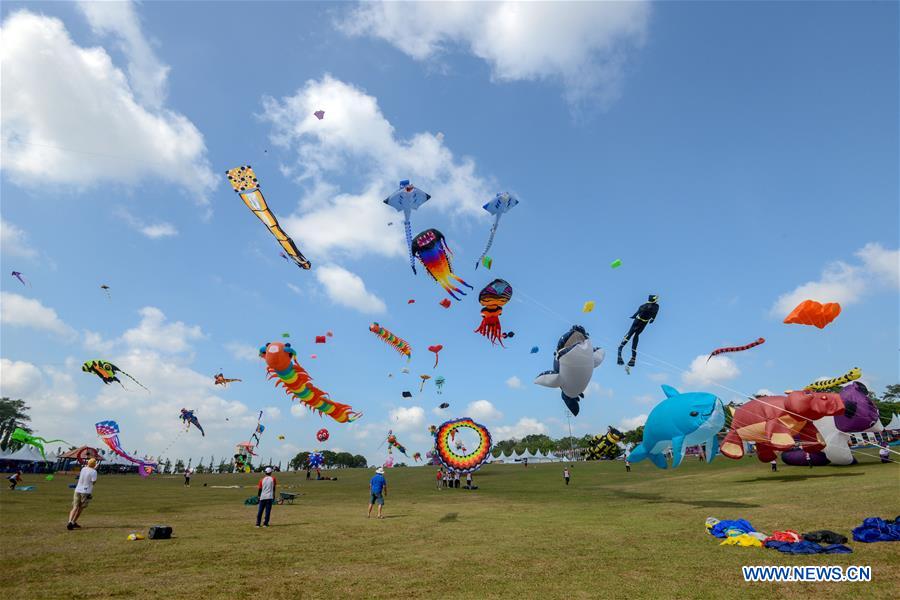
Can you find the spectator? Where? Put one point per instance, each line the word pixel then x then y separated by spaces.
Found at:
pixel 456 480
pixel 774 464
pixel 14 479
pixel 627 466
pixel 378 490
pixel 469 480
pixel 884 454
pixel 187 478
pixel 84 493
pixel 266 493
pixel 566 474
pixel 440 478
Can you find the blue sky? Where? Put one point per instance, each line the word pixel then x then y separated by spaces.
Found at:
pixel 735 156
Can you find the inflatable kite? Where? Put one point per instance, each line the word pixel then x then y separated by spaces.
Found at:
pixel 493 298
pixel 810 312
pixel 573 365
pixel 679 421
pixel 417 456
pixel 772 422
pixel 407 199
pixel 393 443
pixel 444 405
pixel 431 249
pixel 424 378
pixel 109 433
pixel 107 372
pixel 860 416
pixel 534 350
pixel 502 203
pixel 616 263
pixel 468 461
pixel 719 351
pixel 643 316
pixel 436 348
pixel 244 451
pixel 23 437
pixel 281 363
pixel 398 343
pixel 823 385
pixel 605 446
pixel 316 460
pixel 188 418
pixel 322 435
pixel 246 185
pixel 320 114
pixel 487 261
pixel 445 303
pixel 18 275
pixel 105 288
pixel 221 380
pixel 439 383
pixel 588 306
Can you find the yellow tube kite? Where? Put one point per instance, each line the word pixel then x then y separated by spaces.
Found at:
pixel 246 185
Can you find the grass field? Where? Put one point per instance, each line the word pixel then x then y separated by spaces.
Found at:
pixel 522 534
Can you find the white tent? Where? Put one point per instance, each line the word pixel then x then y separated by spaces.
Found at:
pixel 894 425
pixel 26 454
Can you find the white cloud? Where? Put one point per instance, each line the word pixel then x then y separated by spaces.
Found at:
pixel 583 45
pixel 243 351
pixel 846 283
pixel 19 378
pixel 645 399
pixel 483 410
pixel 355 140
pixel 70 116
pixel 407 418
pixel 95 342
pixel 514 383
pixel 153 231
pixel 765 392
pixel 595 389
pixel 272 413
pixel 348 289
pixel 19 311
pixel 659 377
pixel 717 370
pixel 524 426
pixel 632 422
pixel 299 410
pixel 47 400
pixel 14 241
pixel 154 331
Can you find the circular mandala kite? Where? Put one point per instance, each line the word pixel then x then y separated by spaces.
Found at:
pixel 467 461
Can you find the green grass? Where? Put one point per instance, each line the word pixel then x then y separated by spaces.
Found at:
pixel 522 534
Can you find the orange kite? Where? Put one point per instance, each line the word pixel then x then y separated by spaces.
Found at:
pixel 810 312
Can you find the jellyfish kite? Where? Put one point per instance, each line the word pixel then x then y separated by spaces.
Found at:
pixel 23 437
pixel 107 372
pixel 436 348
pixel 105 288
pixel 188 418
pixel 493 298
pixel 246 185
pixel 431 248
pixel 502 203
pixel 407 199
pixel 439 383
pixel 109 433
pixel 398 343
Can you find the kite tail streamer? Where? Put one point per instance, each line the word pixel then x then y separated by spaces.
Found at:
pixel 489 242
pixel 851 375
pixel 298 384
pixel 133 379
pixel 412 261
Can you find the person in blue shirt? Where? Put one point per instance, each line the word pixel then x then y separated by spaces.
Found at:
pixel 378 490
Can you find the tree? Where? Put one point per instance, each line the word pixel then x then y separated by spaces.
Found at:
pixel 13 414
pixel 179 466
pixel 299 461
pixel 634 436
pixel 889 403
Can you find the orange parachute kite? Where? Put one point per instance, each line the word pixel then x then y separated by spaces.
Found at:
pixel 810 312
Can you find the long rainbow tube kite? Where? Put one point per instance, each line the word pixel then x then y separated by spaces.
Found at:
pixel 396 342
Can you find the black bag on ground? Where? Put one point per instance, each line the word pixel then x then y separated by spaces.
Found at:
pixel 160 532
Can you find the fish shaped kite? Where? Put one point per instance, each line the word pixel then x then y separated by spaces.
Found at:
pixel 573 365
pixel 431 248
pixel 810 312
pixel 398 343
pixel 23 437
pixel 718 351
pixel 109 433
pixel 188 418
pixel 493 298
pixel 407 199
pixel 18 275
pixel 281 363
pixel 246 185
pixel 502 203
pixel 107 372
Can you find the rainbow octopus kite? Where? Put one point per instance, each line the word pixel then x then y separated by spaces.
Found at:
pixel 502 203
pixel 431 248
pixel 398 343
pixel 109 433
pixel 493 298
pixel 188 418
pixel 407 199
pixel 246 185
pixel 281 362
pixel 467 461
pixel 23 437
pixel 107 372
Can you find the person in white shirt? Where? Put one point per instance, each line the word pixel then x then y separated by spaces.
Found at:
pixel 187 477
pixel 469 480
pixel 266 493
pixel 566 474
pixel 84 492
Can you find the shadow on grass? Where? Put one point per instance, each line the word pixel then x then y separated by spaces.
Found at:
pixel 449 518
pixel 797 477
pixel 699 503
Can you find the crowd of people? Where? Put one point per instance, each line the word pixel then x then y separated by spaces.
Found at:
pixel 451 479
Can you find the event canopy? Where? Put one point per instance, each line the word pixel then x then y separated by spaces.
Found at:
pixel 27 454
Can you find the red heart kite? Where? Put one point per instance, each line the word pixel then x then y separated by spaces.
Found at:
pixel 810 312
pixel 437 348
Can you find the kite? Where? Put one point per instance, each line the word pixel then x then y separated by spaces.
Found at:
pixel 23 437
pixel 615 264
pixel 469 461
pixel 320 114
pixel 406 394
pixel 246 185
pixel 389 462
pixel 322 435
pixel 109 433
pixel 417 456
pixel 502 203
pixel 493 298
pixel 329 334
pixel 827 384
pixel 410 301
pixel 105 288
pixel 393 443
pixel 281 363
pixel 810 312
pixel 398 343
pixel 107 372
pixel 605 446
pixel 316 460
pixel 439 383
pixel 188 418
pixel 221 380
pixel 534 350
pixel 679 421
pixel 314 356
pixel 18 275
pixel 643 316
pixel 573 365
pixel 718 351
pixel 285 335
pixel 445 303
pixel 407 199
pixel 321 339
pixel 436 348
pixel 281 437
pixel 444 405
pixel 244 450
pixel 588 306
pixel 487 261
pixel 424 379
pixel 431 248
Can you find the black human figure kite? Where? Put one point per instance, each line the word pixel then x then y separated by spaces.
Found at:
pixel 643 316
